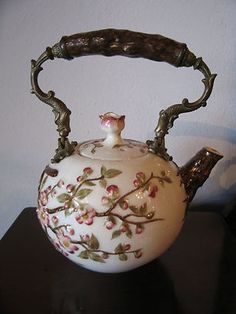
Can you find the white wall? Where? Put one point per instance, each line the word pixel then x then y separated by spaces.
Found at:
pixel 92 85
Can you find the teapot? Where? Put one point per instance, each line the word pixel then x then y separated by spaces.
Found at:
pixel 114 204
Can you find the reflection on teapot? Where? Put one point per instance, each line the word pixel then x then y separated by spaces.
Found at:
pixel 113 204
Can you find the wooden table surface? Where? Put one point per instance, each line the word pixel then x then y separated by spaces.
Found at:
pixel 195 276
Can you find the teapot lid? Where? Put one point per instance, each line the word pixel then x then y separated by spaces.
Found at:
pixel 113 147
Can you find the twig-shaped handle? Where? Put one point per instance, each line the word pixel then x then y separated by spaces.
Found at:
pixel 110 42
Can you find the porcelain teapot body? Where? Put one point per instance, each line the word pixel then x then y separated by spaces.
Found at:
pixel 114 204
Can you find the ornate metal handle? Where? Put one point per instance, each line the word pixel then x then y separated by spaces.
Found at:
pixel 110 42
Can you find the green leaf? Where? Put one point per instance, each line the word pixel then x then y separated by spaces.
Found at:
pixel 119 249
pixel 129 233
pixel 93 242
pixel 123 204
pixel 150 215
pixel 123 257
pixel 111 173
pixel 143 208
pixel 103 170
pixel 89 183
pixel 95 257
pixel 117 145
pixel 75 202
pixel 134 209
pixel 146 187
pixel 67 212
pixel 103 183
pixel 83 193
pixel 84 254
pixel 62 198
pixel 116 234
pixel 112 219
pixel 167 179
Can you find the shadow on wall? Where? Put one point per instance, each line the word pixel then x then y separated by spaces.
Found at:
pixel 206 130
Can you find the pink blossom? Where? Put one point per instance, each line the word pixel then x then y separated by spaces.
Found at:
pixel 136 183
pixel 71 231
pixel 43 216
pixel 138 229
pixel 127 247
pixel 70 188
pixel 140 179
pixel 86 216
pixel 48 189
pixel 80 178
pixel 140 176
pixel 109 225
pixel 43 198
pixel 86 237
pixel 58 247
pixel 124 204
pixel 113 191
pixel 105 200
pixel 55 220
pixel 138 253
pixel 123 228
pixel 66 242
pixel 88 170
pixel 152 190
pixel 60 183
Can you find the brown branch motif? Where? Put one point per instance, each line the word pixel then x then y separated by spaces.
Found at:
pixel 130 219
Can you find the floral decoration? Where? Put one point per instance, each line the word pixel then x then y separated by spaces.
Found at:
pixel 120 216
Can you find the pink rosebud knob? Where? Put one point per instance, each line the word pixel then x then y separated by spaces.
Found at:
pixel 113 124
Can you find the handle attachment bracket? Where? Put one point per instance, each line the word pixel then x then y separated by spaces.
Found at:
pixel 110 42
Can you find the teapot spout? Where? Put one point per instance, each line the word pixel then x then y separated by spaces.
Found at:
pixel 196 171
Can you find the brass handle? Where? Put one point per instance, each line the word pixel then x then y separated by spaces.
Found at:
pixel 110 42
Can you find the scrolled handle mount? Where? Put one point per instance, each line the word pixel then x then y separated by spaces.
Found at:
pixel 111 42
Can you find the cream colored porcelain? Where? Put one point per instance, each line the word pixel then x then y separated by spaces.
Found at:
pixel 112 206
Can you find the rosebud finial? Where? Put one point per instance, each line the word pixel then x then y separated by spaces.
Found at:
pixel 112 124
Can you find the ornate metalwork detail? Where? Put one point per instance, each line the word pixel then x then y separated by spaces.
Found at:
pixel 61 112
pixel 57 51
pixel 110 42
pixel 168 116
pixel 197 170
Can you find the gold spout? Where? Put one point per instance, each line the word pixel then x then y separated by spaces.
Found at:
pixel 196 171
